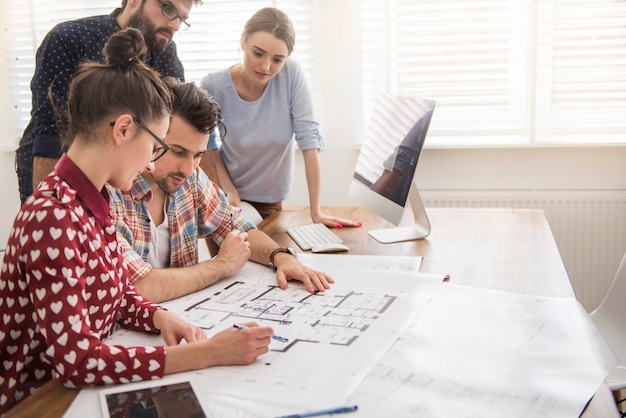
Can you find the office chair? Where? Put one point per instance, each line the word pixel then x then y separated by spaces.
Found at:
pixel 610 318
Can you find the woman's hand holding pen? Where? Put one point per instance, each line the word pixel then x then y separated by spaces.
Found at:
pixel 231 346
pixel 240 346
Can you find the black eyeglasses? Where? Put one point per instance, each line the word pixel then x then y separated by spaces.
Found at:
pixel 157 152
pixel 170 13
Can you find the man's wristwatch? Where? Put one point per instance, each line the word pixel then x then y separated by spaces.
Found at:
pixel 287 250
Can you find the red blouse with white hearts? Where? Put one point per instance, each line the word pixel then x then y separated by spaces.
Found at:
pixel 62 288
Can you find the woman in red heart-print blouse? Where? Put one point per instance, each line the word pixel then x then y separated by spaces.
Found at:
pixel 64 283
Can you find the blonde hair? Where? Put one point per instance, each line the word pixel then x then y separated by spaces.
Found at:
pixel 274 21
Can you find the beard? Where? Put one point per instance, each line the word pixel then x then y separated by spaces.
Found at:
pixel 162 182
pixel 149 31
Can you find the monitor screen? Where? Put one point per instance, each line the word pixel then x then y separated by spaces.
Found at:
pixel 383 176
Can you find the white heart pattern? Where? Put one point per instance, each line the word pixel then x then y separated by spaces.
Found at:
pixel 63 285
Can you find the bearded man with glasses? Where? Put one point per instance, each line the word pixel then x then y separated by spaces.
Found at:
pixel 58 56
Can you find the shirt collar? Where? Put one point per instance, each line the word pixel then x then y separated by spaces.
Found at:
pixel 111 19
pixel 140 190
pixel 95 200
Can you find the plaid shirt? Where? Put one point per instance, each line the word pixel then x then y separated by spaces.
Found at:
pixel 197 210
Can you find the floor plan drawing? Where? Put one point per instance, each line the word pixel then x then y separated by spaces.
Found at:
pixel 337 318
pixel 338 334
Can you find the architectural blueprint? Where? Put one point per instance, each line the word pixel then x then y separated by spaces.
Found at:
pixel 334 337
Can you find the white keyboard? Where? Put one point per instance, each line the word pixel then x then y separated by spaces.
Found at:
pixel 307 236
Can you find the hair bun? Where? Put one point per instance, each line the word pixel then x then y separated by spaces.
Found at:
pixel 125 48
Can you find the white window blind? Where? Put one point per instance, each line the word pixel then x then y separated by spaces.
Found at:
pixel 581 71
pixel 25 27
pixel 213 41
pixel 503 72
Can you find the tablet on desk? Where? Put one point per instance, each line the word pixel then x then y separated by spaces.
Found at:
pixel 152 399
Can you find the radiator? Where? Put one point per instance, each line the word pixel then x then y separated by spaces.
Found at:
pixel 589 227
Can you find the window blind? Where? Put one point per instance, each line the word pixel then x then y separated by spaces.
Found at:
pixel 25 27
pixel 503 73
pixel 581 78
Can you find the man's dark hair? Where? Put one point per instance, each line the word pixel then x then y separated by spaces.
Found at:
pixel 195 105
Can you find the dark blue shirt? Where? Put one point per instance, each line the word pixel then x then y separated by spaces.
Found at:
pixel 58 57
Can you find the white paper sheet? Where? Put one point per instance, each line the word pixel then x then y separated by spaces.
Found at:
pixel 483 353
pixel 324 262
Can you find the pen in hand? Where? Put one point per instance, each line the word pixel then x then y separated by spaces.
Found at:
pixel 275 337
pixel 232 223
pixel 331 411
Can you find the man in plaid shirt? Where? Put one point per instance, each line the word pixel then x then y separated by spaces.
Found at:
pixel 170 208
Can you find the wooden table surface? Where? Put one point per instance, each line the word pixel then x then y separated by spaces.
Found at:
pixel 505 249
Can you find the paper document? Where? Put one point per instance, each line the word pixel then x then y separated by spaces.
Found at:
pixel 478 352
pixel 324 262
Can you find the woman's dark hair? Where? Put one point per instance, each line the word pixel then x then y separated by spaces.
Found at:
pixel 123 84
pixel 195 105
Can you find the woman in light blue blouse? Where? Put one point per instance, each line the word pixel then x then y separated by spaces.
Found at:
pixel 268 110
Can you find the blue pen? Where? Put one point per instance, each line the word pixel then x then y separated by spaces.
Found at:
pixel 331 411
pixel 276 337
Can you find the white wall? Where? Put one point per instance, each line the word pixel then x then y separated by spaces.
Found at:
pixel 601 167
pixel 8 185
pixel 10 195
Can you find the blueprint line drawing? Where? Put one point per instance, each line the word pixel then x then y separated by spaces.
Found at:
pixel 338 318
pixel 333 336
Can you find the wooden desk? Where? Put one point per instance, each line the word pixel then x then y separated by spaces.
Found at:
pixel 503 249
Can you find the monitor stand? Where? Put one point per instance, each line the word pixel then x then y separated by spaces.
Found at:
pixel 418 230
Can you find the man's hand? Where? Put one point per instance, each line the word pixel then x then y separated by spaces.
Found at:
pixel 234 252
pixel 289 268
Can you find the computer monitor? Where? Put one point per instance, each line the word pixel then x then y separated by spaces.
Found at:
pixel 383 177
